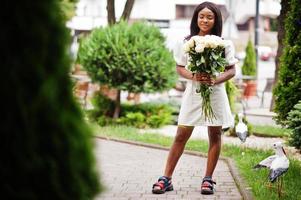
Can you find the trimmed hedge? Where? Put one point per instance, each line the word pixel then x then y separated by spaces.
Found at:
pixel 288 88
pixel 46 150
pixel 128 57
pixel 142 115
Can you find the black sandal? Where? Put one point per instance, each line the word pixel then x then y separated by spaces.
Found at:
pixel 207 186
pixel 165 185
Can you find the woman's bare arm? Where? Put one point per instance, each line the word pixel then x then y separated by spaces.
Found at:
pixel 228 74
pixel 184 72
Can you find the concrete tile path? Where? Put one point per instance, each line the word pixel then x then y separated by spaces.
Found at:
pixel 128 172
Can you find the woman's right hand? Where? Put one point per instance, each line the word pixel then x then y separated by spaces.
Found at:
pixel 203 78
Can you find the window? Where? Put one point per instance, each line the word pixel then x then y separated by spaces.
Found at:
pixel 184 11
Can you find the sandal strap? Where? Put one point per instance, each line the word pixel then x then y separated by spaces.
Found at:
pixel 164 178
pixel 208 183
pixel 158 184
pixel 209 180
pixel 163 182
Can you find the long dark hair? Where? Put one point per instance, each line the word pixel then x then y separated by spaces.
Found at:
pixel 218 21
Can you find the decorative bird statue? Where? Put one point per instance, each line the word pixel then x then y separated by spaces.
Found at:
pixel 241 129
pixel 278 165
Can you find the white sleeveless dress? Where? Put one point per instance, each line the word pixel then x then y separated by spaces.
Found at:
pixel 191 106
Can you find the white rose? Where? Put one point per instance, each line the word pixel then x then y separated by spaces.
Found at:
pixel 191 43
pixel 213 44
pixel 207 43
pixel 223 43
pixel 199 48
pixel 199 40
pixel 186 47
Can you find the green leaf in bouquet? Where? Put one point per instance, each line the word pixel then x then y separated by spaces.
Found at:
pixel 208 71
pixel 193 68
pixel 202 59
pixel 214 66
pixel 215 56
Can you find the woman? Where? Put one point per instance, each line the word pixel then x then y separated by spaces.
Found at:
pixel 206 19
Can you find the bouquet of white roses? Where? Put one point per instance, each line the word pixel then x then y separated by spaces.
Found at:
pixel 206 55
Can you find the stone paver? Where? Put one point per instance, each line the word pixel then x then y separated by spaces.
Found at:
pixel 128 172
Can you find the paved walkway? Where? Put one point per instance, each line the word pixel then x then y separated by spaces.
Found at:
pixel 128 172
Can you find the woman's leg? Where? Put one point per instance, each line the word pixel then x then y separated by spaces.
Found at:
pixel 177 148
pixel 214 134
pixel 175 152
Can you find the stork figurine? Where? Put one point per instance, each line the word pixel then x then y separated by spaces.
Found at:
pixel 278 165
pixel 241 129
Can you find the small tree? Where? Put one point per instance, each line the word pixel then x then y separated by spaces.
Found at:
pixel 249 65
pixel 131 58
pixel 288 88
pixel 46 150
pixel 294 123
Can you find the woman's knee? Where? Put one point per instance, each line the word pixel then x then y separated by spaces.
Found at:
pixel 183 134
pixel 215 132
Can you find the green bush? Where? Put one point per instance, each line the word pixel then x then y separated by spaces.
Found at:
pixel 287 90
pixel 102 106
pixel 232 93
pixel 155 115
pixel 46 146
pixel 128 57
pixel 131 58
pixel 249 65
pixel 294 123
pixel 147 108
pixel 156 121
pixel 136 119
pixel 142 115
pixel 104 121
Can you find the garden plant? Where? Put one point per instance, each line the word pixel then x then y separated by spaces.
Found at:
pixel 129 58
pixel 46 150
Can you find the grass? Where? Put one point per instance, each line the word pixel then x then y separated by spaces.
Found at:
pixel 270 131
pixel 244 161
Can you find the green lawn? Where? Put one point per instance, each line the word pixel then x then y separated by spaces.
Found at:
pixel 270 131
pixel 244 161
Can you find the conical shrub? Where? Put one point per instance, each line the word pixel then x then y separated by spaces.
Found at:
pixel 288 89
pixel 249 65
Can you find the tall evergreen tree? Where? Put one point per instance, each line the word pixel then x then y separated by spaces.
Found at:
pixel 280 36
pixel 46 150
pixel 288 89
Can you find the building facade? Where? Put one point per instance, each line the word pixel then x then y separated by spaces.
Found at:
pixel 173 16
